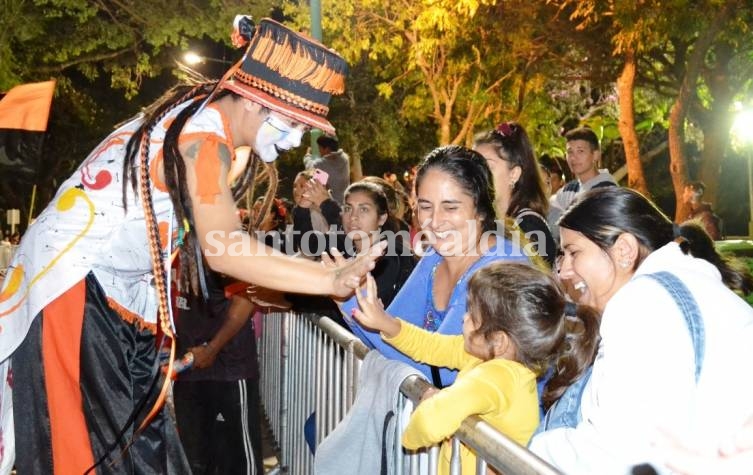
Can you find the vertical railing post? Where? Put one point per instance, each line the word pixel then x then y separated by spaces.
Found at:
pixel 284 389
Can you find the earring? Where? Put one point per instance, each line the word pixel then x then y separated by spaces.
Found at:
pixel 512 184
pixel 625 264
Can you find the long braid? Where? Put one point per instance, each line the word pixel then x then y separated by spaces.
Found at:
pixel 155 246
pixel 245 186
pixel 158 268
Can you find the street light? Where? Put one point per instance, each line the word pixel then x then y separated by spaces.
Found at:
pixel 191 58
pixel 742 137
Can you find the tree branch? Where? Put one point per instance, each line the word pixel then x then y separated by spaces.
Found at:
pixel 80 60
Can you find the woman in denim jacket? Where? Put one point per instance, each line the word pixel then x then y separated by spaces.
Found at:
pixel 654 369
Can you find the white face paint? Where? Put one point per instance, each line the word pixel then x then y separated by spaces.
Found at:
pixel 275 134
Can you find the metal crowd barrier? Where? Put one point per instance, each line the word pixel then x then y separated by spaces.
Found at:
pixel 309 363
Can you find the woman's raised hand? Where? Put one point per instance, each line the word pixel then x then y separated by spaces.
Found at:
pixel 316 193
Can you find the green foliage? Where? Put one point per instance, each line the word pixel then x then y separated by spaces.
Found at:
pixel 422 72
pixel 125 40
pixel 460 65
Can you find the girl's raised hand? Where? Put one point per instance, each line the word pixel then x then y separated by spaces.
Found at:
pixel 371 313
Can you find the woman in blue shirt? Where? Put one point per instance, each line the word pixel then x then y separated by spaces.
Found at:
pixel 455 210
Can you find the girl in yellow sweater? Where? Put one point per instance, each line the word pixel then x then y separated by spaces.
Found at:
pixel 517 323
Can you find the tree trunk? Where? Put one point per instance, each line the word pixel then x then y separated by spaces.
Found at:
pixel 356 168
pixel 677 161
pixel 626 124
pixel 715 140
pixel 444 130
pixel 717 126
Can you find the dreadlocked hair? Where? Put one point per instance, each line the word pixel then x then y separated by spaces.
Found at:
pixel 257 172
pixel 269 175
pixel 173 165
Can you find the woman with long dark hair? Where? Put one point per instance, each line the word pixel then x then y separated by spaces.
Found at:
pixel 518 184
pixel 676 342
pixel 455 201
pixel 366 219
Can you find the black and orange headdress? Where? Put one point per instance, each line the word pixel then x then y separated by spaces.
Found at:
pixel 290 74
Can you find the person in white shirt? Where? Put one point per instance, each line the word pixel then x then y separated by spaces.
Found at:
pixel 647 378
pixel 583 157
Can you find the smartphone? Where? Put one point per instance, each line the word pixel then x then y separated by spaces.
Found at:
pixel 321 176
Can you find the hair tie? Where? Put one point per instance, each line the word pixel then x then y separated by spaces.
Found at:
pixel 505 129
pixel 571 309
pixel 676 232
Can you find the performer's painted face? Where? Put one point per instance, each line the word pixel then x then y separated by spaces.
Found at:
pixel 275 135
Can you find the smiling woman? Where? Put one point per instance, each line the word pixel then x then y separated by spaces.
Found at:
pixel 456 213
pixel 671 333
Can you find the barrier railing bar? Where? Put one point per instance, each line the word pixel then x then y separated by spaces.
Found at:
pixel 498 450
pixel 297 341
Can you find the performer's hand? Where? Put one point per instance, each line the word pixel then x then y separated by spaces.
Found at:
pixel 331 260
pixel 348 274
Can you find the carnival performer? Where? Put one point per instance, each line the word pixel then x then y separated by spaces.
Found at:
pixel 86 294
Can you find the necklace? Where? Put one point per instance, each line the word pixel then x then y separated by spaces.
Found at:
pixel 434 317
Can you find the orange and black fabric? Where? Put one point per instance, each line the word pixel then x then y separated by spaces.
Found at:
pixel 24 112
pixel 289 73
pixel 79 375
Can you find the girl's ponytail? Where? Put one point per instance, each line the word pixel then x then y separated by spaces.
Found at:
pixel 576 351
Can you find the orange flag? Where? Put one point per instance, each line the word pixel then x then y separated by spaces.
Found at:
pixel 24 112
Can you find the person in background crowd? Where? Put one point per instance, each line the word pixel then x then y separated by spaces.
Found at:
pixel 217 399
pixel 316 215
pixel 583 156
pixel 332 160
pixel 409 178
pixel 366 218
pixel 455 196
pixel 671 331
pixel 392 179
pixel 395 199
pixel 552 167
pixel 514 327
pixel 87 291
pixel 735 274
pixel 517 184
pixel 700 210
